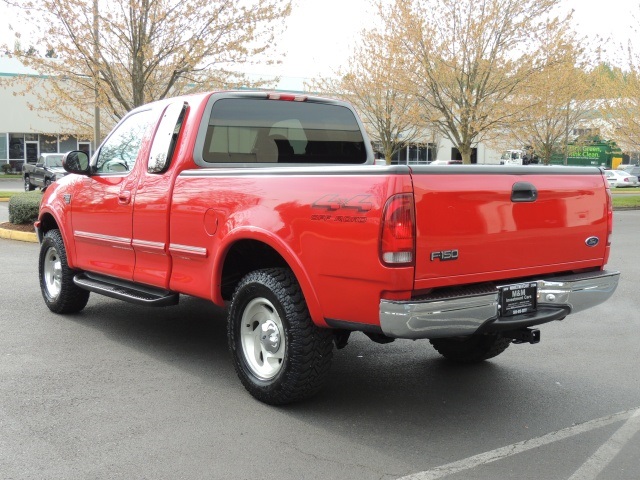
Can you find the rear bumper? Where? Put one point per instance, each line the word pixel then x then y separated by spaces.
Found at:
pixel 469 312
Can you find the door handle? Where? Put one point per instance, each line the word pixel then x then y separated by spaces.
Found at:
pixel 124 197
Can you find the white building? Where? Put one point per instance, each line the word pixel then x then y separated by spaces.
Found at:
pixel 25 132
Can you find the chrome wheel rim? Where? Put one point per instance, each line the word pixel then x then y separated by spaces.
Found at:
pixel 262 339
pixel 52 272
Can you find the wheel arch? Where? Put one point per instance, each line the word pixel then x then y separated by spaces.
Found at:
pixel 48 221
pixel 245 252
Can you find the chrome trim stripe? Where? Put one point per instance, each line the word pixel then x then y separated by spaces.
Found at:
pixel 104 240
pixel 188 251
pixel 464 315
pixel 260 169
pixel 147 246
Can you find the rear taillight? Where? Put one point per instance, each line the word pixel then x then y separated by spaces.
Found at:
pixel 398 234
pixel 609 214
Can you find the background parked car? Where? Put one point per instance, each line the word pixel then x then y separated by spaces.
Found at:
pixel 620 178
pixel 44 173
pixel 632 169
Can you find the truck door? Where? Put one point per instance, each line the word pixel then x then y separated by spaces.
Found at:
pixel 102 209
pixel 153 195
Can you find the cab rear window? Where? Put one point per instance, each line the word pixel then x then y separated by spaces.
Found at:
pixel 255 130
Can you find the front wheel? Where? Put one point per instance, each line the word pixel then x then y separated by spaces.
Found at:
pixel 280 355
pixel 471 349
pixel 27 185
pixel 60 294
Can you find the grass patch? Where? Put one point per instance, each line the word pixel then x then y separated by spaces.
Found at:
pixel 626 201
pixel 627 190
pixel 8 194
pixel 11 176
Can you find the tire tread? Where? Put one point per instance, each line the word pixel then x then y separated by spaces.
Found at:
pixel 72 298
pixel 310 348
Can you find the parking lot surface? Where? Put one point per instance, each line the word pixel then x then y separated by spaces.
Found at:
pixel 122 391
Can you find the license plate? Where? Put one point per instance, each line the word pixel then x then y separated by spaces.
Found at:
pixel 518 299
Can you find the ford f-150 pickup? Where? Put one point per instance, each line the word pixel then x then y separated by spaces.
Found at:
pixel 273 206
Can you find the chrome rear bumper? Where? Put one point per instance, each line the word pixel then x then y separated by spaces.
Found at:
pixel 469 312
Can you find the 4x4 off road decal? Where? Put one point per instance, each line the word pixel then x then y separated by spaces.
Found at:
pixel 333 203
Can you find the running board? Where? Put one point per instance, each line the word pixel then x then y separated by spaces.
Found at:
pixel 127 291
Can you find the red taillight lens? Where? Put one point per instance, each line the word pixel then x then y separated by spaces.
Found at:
pixel 609 214
pixel 397 238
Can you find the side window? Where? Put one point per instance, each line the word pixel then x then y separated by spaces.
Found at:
pixel 166 137
pixel 118 154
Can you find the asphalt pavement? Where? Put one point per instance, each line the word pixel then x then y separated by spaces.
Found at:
pixel 4 212
pixel 124 391
pixel 11 185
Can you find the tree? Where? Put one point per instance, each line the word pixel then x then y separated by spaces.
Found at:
pixel 122 54
pixel 555 99
pixel 468 59
pixel 621 105
pixel 372 83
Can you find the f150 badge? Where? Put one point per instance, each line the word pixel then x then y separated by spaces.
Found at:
pixel 444 255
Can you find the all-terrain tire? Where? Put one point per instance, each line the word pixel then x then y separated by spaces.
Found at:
pixel 279 354
pixel 60 294
pixel 471 349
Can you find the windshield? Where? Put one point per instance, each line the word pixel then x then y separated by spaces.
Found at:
pixel 53 161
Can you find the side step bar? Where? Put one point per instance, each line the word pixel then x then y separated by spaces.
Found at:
pixel 127 291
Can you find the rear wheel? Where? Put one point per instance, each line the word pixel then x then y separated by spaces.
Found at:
pixel 56 278
pixel 471 349
pixel 279 354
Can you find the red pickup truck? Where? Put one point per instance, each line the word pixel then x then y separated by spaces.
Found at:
pixel 272 204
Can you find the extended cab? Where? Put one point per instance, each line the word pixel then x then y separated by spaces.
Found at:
pixel 271 204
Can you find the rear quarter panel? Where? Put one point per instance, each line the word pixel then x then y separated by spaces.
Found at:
pixel 324 222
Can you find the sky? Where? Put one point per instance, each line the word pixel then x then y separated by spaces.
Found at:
pixel 320 34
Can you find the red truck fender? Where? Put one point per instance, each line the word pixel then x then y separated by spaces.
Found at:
pixel 54 214
pixel 282 249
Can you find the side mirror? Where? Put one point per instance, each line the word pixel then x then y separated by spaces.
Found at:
pixel 76 162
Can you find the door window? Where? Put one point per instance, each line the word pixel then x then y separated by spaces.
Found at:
pixel 119 152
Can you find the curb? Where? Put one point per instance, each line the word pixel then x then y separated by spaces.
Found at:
pixel 4 199
pixel 20 236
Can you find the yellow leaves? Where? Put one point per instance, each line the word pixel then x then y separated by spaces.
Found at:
pixel 146 50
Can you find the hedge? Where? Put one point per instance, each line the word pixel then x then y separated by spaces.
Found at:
pixel 24 207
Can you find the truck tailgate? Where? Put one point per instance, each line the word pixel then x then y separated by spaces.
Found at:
pixel 486 223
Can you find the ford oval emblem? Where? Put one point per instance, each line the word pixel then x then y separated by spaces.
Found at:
pixel 592 241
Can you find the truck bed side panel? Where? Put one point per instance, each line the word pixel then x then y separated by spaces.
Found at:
pixel 324 222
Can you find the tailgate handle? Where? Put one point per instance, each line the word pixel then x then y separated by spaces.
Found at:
pixel 524 192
